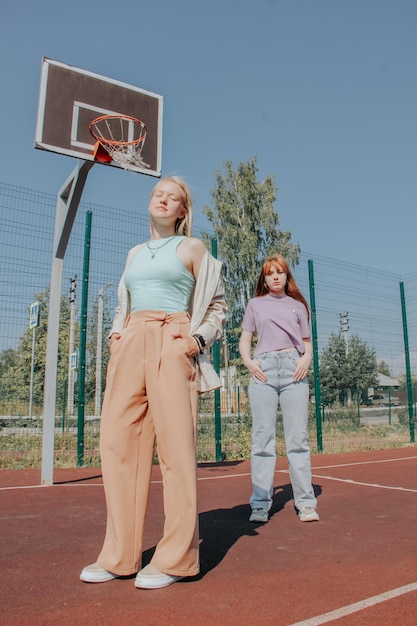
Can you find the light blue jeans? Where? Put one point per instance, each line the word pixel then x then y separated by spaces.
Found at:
pixel 280 389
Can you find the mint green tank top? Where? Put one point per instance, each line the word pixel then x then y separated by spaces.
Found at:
pixel 157 280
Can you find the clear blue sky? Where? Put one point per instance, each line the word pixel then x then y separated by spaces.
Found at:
pixel 324 92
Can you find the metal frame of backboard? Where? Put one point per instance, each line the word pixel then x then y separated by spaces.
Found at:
pixel 70 98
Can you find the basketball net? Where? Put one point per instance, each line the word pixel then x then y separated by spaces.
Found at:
pixel 120 138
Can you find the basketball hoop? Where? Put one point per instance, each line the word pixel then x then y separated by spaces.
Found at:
pixel 119 138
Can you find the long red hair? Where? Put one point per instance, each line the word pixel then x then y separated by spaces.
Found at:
pixel 278 262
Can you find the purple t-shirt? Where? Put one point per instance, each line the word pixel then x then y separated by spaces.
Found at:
pixel 279 321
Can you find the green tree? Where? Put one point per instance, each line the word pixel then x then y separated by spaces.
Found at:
pixel 9 365
pixel 347 368
pixel 333 370
pixel 15 378
pixel 383 368
pixel 246 226
pixel 363 367
pixel 7 359
pixel 402 381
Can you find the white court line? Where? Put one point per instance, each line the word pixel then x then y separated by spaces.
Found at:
pixel 54 485
pixel 225 476
pixel 153 482
pixel 23 487
pixel 404 458
pixel 357 606
pixel 320 467
pixel 357 482
pixel 281 471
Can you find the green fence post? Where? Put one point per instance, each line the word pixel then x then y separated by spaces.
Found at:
pixel 415 401
pixel 216 363
pixel 315 357
pixel 83 342
pixel 358 402
pixel 64 404
pixel 407 364
pixel 389 407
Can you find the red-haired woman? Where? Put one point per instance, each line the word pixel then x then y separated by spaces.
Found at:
pixel 280 318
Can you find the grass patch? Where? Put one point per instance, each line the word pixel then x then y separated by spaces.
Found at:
pixel 21 442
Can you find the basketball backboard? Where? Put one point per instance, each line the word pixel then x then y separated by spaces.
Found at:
pixel 71 98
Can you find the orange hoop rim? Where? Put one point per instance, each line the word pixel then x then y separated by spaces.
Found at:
pixel 112 142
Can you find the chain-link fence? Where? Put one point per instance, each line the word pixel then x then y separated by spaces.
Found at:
pixel 350 300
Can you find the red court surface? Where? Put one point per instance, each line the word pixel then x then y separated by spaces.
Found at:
pixel 357 565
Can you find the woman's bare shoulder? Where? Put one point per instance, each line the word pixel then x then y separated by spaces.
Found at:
pixel 193 243
pixel 194 248
pixel 191 251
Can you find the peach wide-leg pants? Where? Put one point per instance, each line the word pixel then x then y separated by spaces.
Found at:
pixel 151 390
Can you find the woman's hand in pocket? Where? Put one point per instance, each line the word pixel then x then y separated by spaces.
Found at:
pixel 191 345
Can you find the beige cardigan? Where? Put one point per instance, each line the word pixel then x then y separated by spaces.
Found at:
pixel 207 310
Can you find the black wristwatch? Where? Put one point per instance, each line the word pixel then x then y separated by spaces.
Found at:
pixel 200 342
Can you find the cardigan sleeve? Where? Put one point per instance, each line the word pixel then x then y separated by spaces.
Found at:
pixel 208 304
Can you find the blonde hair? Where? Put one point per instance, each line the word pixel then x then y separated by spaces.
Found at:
pixel 278 262
pixel 183 225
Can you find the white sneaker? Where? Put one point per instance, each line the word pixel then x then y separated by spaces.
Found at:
pixel 151 578
pixel 259 515
pixel 96 574
pixel 308 514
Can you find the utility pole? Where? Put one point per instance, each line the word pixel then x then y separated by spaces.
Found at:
pixel 344 327
pixel 71 370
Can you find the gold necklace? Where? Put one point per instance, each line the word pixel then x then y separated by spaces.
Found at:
pixel 153 251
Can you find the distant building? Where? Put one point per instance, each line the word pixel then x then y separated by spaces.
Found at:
pixel 386 382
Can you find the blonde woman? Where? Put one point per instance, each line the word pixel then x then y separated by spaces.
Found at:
pixel 171 309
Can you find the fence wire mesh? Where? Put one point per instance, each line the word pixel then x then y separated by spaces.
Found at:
pixel 367 300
